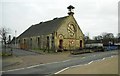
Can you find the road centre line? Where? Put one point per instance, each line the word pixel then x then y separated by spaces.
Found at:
pixel 28 67
pixel 13 70
pixel 66 60
pixel 51 63
pixel 33 66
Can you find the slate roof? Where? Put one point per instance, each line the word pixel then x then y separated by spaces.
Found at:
pixel 43 28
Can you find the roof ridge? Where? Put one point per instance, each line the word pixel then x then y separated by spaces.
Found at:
pixel 46 27
pixel 51 20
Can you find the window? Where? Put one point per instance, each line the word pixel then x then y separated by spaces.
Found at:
pixel 48 42
pixel 24 41
pixel 53 37
pixel 18 41
pixel 38 40
pixel 47 39
pixel 71 30
pixel 31 42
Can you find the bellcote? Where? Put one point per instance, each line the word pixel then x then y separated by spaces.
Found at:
pixel 70 10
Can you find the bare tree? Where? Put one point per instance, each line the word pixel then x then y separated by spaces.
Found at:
pixel 3 37
pixel 86 38
pixel 104 34
pixel 108 35
pixel 99 37
pixel 108 38
pixel 118 35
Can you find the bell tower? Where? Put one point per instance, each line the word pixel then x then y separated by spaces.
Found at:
pixel 70 10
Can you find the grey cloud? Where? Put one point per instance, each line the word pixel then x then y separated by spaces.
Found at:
pixel 98 15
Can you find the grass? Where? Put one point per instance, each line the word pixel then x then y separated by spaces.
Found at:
pixel 5 54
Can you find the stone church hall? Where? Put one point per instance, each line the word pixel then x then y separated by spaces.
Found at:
pixel 58 34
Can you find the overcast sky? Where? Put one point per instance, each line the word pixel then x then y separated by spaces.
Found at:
pixel 93 16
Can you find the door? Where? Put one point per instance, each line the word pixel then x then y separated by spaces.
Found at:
pixel 61 44
pixel 80 43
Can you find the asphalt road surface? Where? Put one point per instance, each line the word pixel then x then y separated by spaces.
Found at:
pixel 19 52
pixel 51 68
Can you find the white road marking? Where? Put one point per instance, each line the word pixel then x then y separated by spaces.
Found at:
pixel 33 66
pixel 61 70
pixel 80 65
pixel 13 70
pixel 72 67
pixel 113 56
pixel 90 62
pixel 83 57
pixel 100 59
pixel 41 65
pixel 66 60
pixel 103 59
pixel 76 66
pixel 53 63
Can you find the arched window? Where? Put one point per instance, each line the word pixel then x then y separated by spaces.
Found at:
pixel 31 42
pixel 47 41
pixel 38 41
pixel 80 43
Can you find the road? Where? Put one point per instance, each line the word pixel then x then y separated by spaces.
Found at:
pixel 51 68
pixel 7 61
pixel 19 52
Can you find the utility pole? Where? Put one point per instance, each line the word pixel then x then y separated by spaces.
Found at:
pixel 15 38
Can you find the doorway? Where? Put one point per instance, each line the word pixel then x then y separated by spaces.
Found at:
pixel 60 44
pixel 80 43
